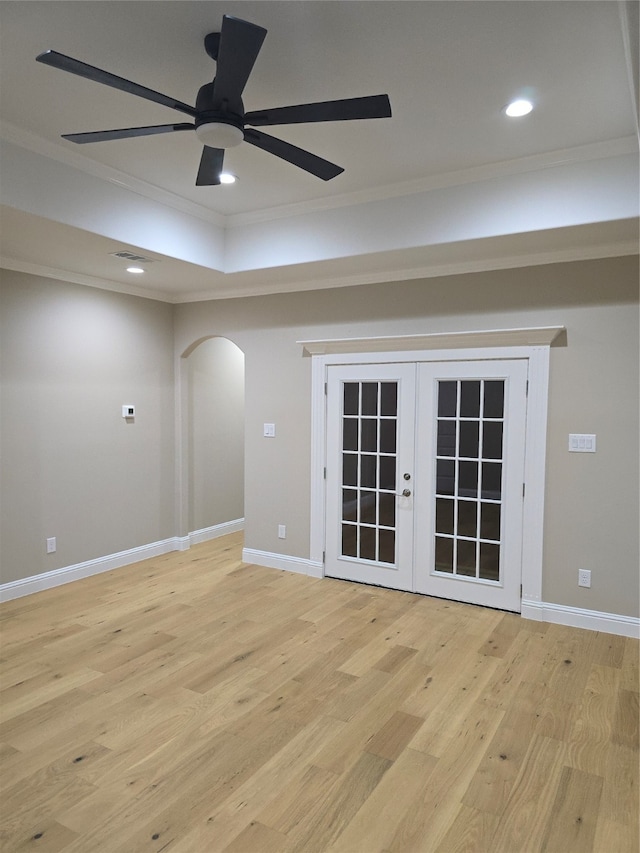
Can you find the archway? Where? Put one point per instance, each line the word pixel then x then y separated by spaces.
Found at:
pixel 214 438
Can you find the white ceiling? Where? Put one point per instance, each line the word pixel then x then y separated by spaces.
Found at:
pixel 449 69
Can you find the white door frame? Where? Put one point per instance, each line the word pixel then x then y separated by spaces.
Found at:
pixel 532 344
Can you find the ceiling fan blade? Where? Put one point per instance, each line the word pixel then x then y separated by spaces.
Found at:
pixel 124 133
pixel 239 46
pixel 374 106
pixel 298 156
pixel 74 66
pixel 210 167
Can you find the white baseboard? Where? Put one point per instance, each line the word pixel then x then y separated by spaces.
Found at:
pixel 67 574
pixel 282 561
pixel 207 533
pixel 576 617
pixel 540 611
pixel 573 617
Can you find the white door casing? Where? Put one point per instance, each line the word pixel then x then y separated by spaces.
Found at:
pixel 532 344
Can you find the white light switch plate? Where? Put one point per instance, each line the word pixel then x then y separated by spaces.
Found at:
pixel 581 443
pixel 269 430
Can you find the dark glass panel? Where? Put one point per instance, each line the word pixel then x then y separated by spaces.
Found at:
pixel 467 518
pixel 350 434
pixel 367 543
pixel 351 395
pixel 349 469
pixel 369 398
pixel 491 480
pixel 388 436
pixel 368 507
pixel 368 472
pixel 445 476
pixel 444 515
pixel 389 399
pixel 469 439
pixel 349 540
pixel 468 479
pixel 490 521
pixel 387 546
pixel 369 435
pixel 387 506
pixel 388 472
pixel 466 563
pixel 489 561
pixel 349 505
pixel 493 398
pixel 444 555
pixel 446 438
pixel 447 399
pixel 492 440
pixel 470 398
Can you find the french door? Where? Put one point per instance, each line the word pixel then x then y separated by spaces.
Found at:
pixel 425 472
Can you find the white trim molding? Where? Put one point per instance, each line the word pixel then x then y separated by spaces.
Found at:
pixel 529 336
pixel 68 574
pixel 311 568
pixel 577 617
pixel 207 533
pixel 532 344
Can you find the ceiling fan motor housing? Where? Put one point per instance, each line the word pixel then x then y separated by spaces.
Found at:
pixel 218 125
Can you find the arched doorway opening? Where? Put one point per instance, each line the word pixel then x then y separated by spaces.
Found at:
pixel 215 438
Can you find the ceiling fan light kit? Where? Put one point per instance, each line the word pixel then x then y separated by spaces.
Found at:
pixel 217 134
pixel 220 120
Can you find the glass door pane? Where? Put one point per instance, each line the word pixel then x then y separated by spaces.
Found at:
pixel 370 433
pixel 468 460
pixel 369 463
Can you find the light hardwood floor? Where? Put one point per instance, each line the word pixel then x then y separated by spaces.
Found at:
pixel 194 704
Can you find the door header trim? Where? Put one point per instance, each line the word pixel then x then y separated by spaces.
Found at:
pixel 528 336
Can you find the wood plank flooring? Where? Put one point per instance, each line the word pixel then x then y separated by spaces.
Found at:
pixel 195 704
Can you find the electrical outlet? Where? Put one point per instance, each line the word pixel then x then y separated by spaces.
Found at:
pixel 51 545
pixel 282 531
pixel 584 577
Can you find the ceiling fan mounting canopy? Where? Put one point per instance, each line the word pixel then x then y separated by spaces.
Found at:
pixel 219 117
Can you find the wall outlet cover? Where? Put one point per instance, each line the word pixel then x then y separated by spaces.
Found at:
pixel 584 577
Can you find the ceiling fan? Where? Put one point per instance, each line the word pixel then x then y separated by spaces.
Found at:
pixel 220 120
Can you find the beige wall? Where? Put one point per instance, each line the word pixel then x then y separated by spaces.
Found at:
pixel 71 467
pixel 215 428
pixel 591 511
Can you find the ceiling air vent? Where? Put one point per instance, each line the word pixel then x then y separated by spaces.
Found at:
pixel 130 256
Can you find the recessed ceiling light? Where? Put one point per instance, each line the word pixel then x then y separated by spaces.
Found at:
pixel 519 108
pixel 227 178
pixel 136 270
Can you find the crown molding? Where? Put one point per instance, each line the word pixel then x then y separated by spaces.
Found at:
pixel 535 162
pixel 238 289
pixel 595 151
pixel 79 278
pixel 31 142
